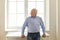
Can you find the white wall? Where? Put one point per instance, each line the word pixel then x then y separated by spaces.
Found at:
pixel 59 19
pixel 2 33
pixel 52 19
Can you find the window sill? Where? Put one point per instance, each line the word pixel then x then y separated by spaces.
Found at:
pixel 18 34
pixel 12 30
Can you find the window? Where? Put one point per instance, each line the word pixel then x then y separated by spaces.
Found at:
pixel 16 11
pixel 39 5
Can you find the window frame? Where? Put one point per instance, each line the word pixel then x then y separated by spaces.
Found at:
pixel 26 13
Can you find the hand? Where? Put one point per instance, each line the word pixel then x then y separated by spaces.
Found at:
pixel 44 35
pixel 23 36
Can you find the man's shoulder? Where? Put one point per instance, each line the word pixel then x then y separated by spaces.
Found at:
pixel 38 17
pixel 28 17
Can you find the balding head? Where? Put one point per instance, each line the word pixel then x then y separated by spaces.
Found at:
pixel 33 12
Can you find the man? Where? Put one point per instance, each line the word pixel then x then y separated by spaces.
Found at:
pixel 33 24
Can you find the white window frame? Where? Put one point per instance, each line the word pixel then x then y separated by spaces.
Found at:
pixel 46 14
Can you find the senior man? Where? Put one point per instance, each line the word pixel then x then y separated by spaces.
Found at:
pixel 33 24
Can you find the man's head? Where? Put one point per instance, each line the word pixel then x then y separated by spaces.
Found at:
pixel 33 12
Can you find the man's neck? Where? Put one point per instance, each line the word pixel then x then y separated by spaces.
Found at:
pixel 33 16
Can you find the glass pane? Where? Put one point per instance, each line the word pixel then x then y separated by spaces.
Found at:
pixel 20 20
pixel 40 7
pixel 11 20
pixel 12 7
pixel 41 15
pixel 31 0
pixel 20 0
pixel 29 14
pixel 35 0
pixel 20 7
pixel 11 0
pixel 31 5
pixel 40 0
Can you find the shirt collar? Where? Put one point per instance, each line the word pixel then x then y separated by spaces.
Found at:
pixel 33 17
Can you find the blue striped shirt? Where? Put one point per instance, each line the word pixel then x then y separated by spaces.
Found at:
pixel 33 25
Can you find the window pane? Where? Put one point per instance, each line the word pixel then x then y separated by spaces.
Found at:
pixel 31 0
pixel 40 0
pixel 20 0
pixel 20 7
pixel 15 0
pixel 35 0
pixel 11 20
pixel 41 15
pixel 11 0
pixel 29 14
pixel 31 5
pixel 20 20
pixel 40 7
pixel 12 7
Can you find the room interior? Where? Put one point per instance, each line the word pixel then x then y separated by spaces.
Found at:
pixel 54 10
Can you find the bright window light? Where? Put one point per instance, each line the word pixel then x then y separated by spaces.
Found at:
pixel 18 10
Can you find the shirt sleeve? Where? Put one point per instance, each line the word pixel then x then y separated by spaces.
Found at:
pixel 24 26
pixel 42 26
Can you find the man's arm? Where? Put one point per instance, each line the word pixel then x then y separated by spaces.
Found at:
pixel 24 25
pixel 42 26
